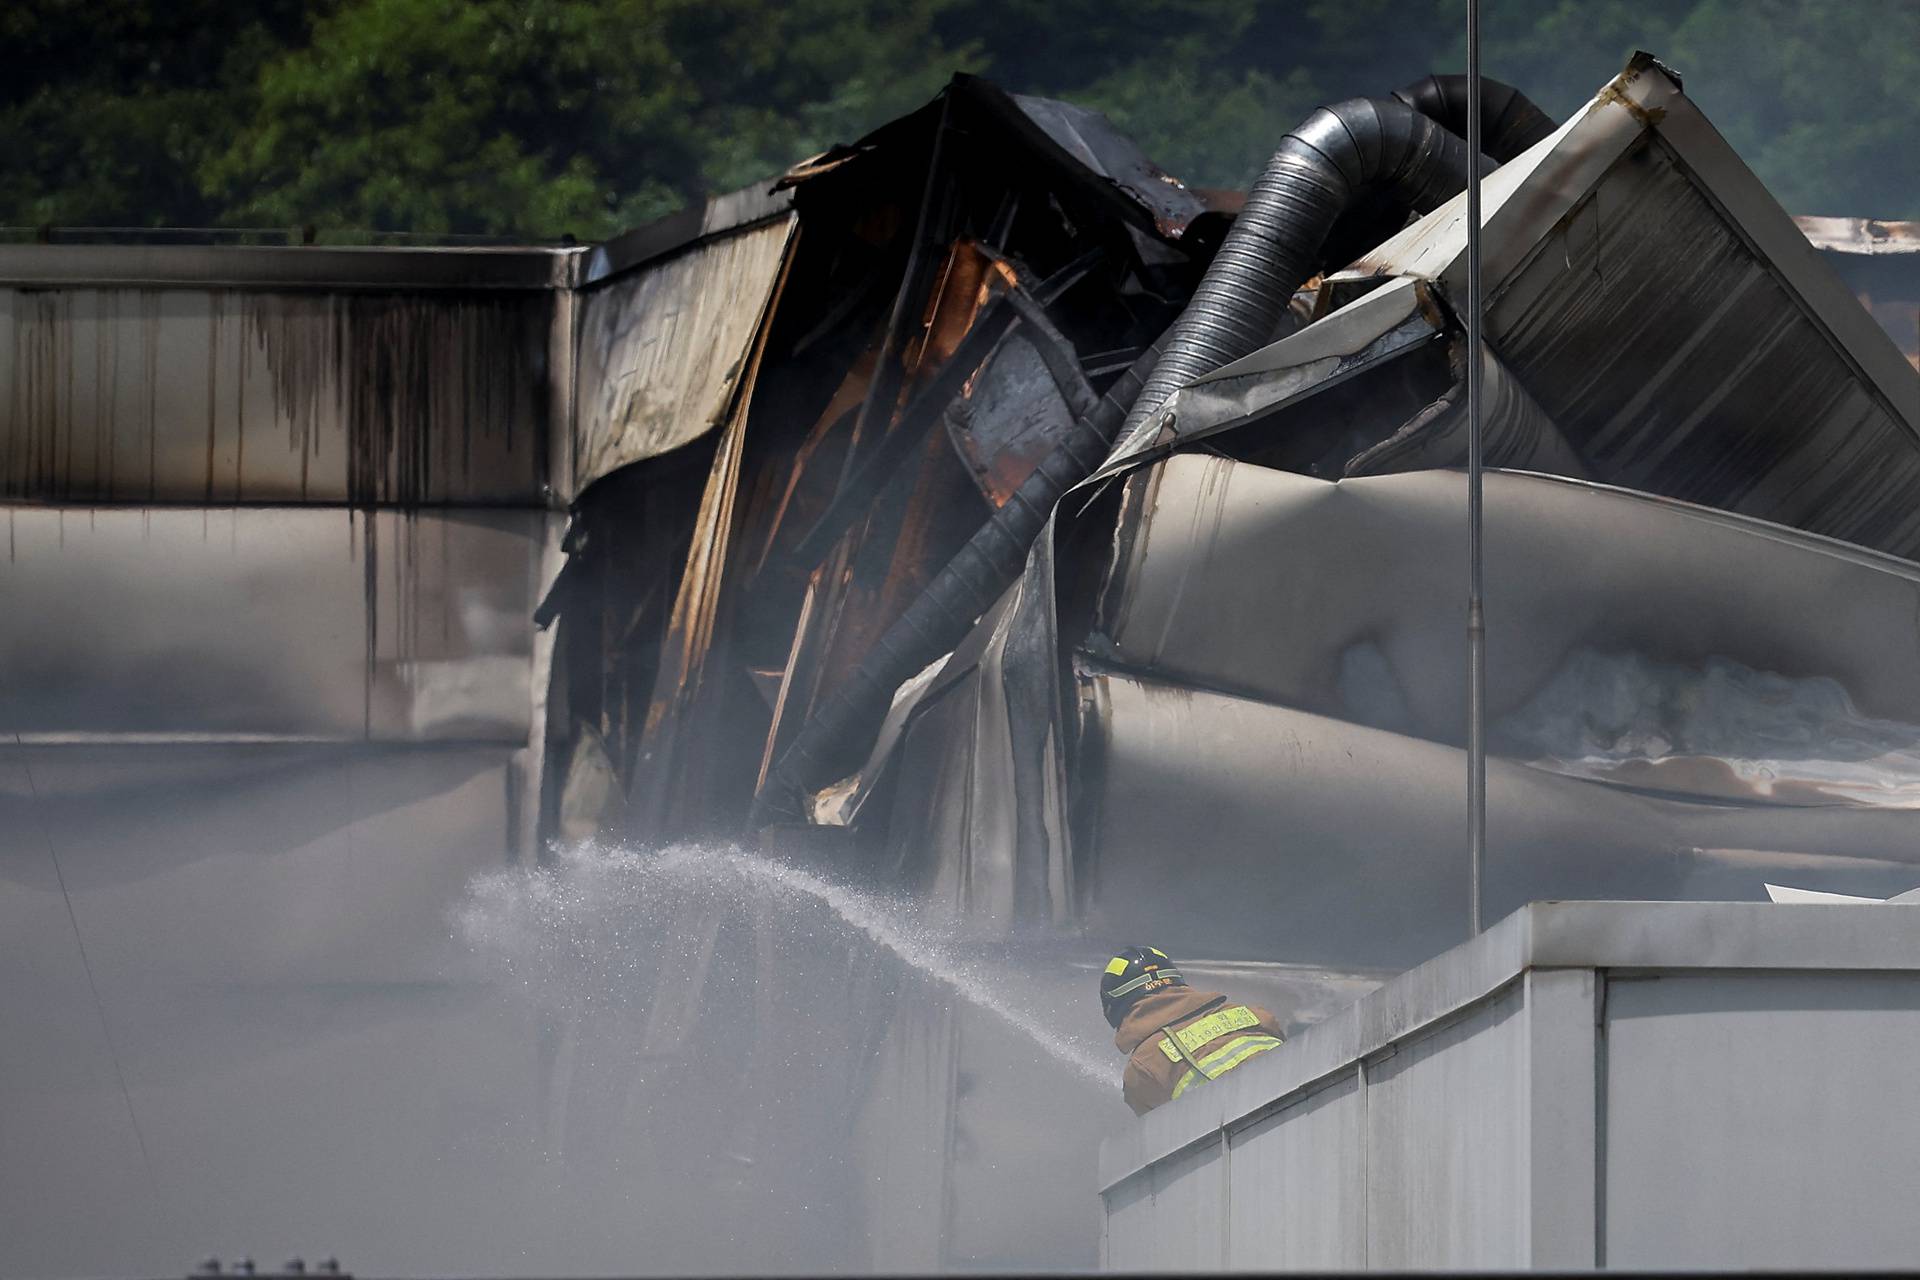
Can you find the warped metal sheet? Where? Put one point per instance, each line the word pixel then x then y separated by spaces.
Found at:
pixel 267 622
pixel 1515 431
pixel 1090 138
pixel 662 350
pixel 731 211
pixel 1223 823
pixel 1009 415
pixel 205 396
pixel 1197 594
pixel 1357 338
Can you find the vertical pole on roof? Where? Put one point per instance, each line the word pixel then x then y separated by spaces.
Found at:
pixel 1476 620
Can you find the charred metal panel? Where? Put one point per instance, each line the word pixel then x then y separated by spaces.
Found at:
pixel 1090 138
pixel 732 211
pixel 948 835
pixel 1680 363
pixel 662 351
pixel 1009 417
pixel 674 783
pixel 275 622
pixel 214 397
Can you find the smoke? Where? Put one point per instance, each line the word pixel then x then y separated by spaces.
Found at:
pixel 346 1030
pixel 597 929
pixel 763 1070
pixel 1771 736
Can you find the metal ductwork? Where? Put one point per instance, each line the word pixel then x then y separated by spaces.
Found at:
pixel 1364 149
pixel 1510 123
pixel 1338 156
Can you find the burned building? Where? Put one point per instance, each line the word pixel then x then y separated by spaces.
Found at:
pixel 975 515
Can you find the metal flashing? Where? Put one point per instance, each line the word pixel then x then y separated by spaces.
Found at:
pixel 289 267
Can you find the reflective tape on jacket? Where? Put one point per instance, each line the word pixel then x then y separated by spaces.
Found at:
pixel 1211 1027
pixel 1226 1058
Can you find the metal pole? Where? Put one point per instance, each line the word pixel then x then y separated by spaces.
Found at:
pixel 1476 619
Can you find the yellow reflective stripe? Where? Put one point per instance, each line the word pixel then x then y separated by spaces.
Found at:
pixel 1116 966
pixel 1219 1063
pixel 1221 1060
pixel 1215 1025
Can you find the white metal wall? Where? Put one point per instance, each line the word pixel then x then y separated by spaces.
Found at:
pixel 1444 1127
pixel 1408 1160
pixel 1298 1194
pixel 1763 1120
pixel 1748 1104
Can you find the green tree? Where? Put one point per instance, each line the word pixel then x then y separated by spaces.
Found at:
pixel 505 116
pixel 538 117
pixel 107 110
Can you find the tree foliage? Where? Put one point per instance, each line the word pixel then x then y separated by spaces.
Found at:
pixel 543 117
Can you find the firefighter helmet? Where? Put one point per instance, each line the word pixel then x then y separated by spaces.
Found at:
pixel 1134 972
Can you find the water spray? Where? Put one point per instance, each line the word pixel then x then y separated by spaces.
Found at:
pixel 573 935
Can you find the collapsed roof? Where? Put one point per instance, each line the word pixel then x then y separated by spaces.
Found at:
pixel 815 444
pixel 1255 739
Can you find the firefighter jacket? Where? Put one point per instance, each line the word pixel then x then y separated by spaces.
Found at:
pixel 1179 1037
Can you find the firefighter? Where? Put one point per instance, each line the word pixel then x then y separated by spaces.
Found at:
pixel 1175 1037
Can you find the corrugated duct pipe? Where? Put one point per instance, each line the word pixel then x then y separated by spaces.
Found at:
pixel 1338 155
pixel 1509 123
